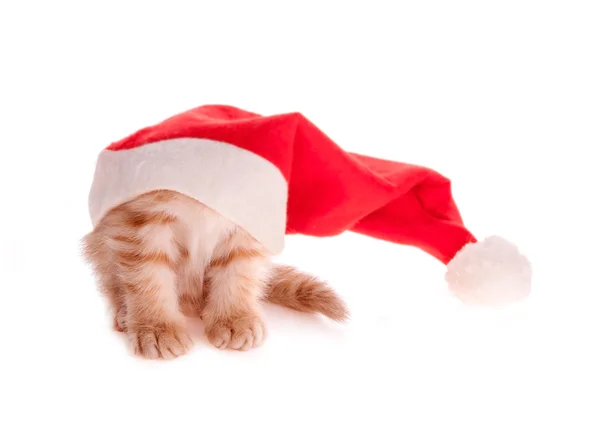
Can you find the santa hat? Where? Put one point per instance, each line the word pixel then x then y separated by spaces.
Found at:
pixel 278 175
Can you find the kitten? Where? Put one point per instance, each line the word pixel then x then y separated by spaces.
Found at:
pixel 164 256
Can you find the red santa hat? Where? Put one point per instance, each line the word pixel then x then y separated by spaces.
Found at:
pixel 278 175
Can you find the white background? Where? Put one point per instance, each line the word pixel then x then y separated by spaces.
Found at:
pixel 502 97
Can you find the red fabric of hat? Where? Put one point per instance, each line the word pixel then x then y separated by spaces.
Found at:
pixel 278 175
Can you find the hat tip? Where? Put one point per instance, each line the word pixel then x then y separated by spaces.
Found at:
pixel 490 273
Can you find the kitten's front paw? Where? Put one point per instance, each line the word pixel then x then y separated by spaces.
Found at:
pixel 159 342
pixel 241 333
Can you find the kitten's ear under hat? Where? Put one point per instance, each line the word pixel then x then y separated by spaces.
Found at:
pixel 280 174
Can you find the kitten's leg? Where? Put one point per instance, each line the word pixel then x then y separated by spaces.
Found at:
pixel 155 325
pixel 235 280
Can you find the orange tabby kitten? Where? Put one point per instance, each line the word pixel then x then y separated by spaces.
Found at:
pixel 163 255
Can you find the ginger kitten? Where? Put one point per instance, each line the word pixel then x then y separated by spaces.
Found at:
pixel 164 256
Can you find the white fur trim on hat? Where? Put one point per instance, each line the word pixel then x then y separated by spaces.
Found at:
pixel 238 184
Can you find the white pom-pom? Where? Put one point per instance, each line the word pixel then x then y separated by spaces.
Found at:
pixel 490 272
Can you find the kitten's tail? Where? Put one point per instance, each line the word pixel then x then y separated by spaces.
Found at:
pixel 302 292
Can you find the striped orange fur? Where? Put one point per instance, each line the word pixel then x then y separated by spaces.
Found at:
pixel 163 256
